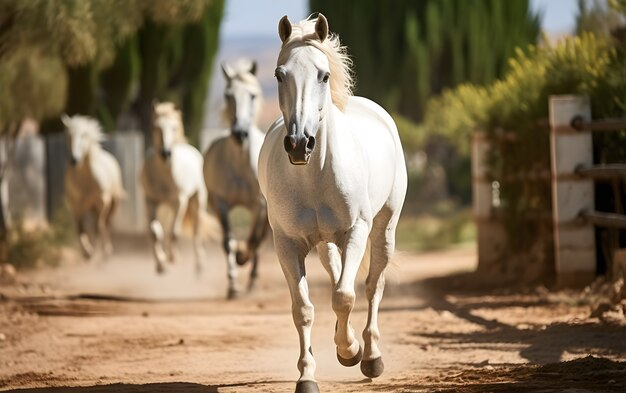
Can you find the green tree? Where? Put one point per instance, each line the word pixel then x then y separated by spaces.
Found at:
pixel 407 51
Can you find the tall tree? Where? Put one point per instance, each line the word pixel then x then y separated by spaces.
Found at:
pixel 407 51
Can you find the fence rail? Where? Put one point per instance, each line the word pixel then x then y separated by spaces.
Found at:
pixel 580 124
pixel 602 171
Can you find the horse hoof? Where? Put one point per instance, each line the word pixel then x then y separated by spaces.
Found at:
pixel 232 294
pixel 373 368
pixel 307 387
pixel 353 361
pixel 241 257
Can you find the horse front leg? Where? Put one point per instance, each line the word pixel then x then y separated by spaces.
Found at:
pixel 229 244
pixel 157 235
pixel 349 352
pixel 104 235
pixel 196 211
pixel 257 234
pixel 86 246
pixel 291 255
pixel 180 209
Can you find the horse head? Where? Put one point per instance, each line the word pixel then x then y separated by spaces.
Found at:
pixel 312 74
pixel 243 98
pixel 83 134
pixel 167 128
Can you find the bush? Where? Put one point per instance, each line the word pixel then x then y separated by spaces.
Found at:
pixel 29 247
pixel 586 64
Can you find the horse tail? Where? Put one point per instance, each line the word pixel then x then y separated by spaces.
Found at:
pixel 209 228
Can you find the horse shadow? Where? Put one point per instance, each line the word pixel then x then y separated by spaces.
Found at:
pixel 541 343
pixel 164 387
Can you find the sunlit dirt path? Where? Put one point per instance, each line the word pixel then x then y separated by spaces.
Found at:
pixel 116 326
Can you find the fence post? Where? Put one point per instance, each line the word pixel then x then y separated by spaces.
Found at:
pixel 574 241
pixel 490 233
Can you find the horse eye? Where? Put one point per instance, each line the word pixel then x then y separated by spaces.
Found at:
pixel 252 97
pixel 279 77
pixel 326 77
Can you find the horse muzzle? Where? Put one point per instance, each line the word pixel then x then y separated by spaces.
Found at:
pixel 299 149
pixel 239 136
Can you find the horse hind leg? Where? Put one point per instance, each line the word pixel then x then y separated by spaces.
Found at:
pixel 229 245
pixel 383 243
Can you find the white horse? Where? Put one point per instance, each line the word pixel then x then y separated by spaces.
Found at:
pixel 230 168
pixel 93 183
pixel 172 177
pixel 333 173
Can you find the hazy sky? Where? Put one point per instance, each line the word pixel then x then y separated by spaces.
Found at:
pixel 260 17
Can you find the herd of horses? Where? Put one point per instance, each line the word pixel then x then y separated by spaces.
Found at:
pixel 330 174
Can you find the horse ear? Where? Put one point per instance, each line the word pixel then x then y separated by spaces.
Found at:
pixel 321 27
pixel 65 119
pixel 253 67
pixel 227 71
pixel 284 28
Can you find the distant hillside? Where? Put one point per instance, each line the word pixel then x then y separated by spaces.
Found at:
pixel 263 49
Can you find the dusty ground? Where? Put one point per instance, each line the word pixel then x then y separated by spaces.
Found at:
pixel 66 330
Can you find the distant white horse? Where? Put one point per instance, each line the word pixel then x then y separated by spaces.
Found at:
pixel 172 177
pixel 230 168
pixel 333 173
pixel 93 182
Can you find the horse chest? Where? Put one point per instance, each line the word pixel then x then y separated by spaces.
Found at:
pixel 317 220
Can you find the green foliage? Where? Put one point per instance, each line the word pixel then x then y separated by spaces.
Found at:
pixel 29 247
pixel 27 78
pixel 407 51
pixel 587 64
pixel 427 232
pixel 108 50
pixel 618 5
pixel 595 16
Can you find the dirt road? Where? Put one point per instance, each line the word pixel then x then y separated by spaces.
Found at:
pixel 176 333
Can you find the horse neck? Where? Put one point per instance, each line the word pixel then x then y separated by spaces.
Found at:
pixel 94 149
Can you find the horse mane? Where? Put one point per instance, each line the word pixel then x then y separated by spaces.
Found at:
pixel 241 72
pixel 168 109
pixel 90 126
pixel 341 76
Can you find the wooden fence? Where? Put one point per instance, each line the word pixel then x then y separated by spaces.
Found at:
pixel 573 177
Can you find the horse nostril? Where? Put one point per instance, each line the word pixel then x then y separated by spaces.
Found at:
pixel 310 144
pixel 290 143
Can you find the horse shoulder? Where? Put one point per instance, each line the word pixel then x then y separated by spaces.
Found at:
pixel 107 173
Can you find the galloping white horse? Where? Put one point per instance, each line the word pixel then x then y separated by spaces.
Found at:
pixel 172 177
pixel 93 182
pixel 333 173
pixel 230 168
